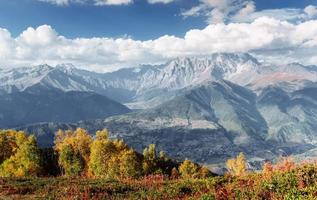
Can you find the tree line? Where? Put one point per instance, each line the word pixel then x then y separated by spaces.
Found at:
pixel 77 153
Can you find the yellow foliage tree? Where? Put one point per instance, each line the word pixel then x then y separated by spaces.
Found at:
pixel 24 159
pixel 267 170
pixel 112 159
pixel 130 165
pixel 73 148
pixel 102 151
pixel 237 166
pixel 204 172
pixel 188 169
pixel 149 163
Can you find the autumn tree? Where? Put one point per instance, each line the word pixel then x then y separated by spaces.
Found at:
pixel 237 166
pixel 112 158
pixel 73 148
pixel 149 153
pixel 150 159
pixel 70 160
pixel 25 159
pixel 267 170
pixel 102 150
pixel 188 169
pixel 9 143
pixel 130 165
pixel 204 172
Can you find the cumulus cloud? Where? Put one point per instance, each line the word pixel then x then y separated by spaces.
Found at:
pixel 311 10
pixel 267 37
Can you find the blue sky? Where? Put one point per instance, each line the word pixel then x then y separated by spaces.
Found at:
pixel 105 35
pixel 139 20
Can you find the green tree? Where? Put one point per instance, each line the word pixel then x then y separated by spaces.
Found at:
pixel 149 153
pixel 71 161
pixel 130 165
pixel 150 159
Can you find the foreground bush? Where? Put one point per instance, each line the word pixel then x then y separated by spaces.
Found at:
pixel 297 183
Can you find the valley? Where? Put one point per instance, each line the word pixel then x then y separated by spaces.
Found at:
pixel 203 108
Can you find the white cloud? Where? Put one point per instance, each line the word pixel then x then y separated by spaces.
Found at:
pixel 6 43
pixel 287 14
pixel 194 11
pixel 101 2
pixel 112 2
pixel 217 11
pixel 160 1
pixel 267 37
pixel 63 2
pixel 311 11
pixel 247 10
pixel 94 2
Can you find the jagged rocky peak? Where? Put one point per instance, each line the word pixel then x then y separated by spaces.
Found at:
pixel 215 58
pixel 218 64
pixel 66 67
pixel 43 67
pixel 27 70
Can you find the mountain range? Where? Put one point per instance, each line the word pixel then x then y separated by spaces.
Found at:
pixel 203 108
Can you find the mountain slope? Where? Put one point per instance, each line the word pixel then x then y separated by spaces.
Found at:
pixel 148 86
pixel 54 106
pixel 207 123
pixel 206 109
pixel 291 116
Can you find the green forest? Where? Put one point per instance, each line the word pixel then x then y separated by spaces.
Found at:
pixel 82 166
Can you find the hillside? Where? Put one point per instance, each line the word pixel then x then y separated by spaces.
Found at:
pixel 23 108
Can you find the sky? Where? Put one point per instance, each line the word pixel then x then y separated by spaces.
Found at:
pixel 105 35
